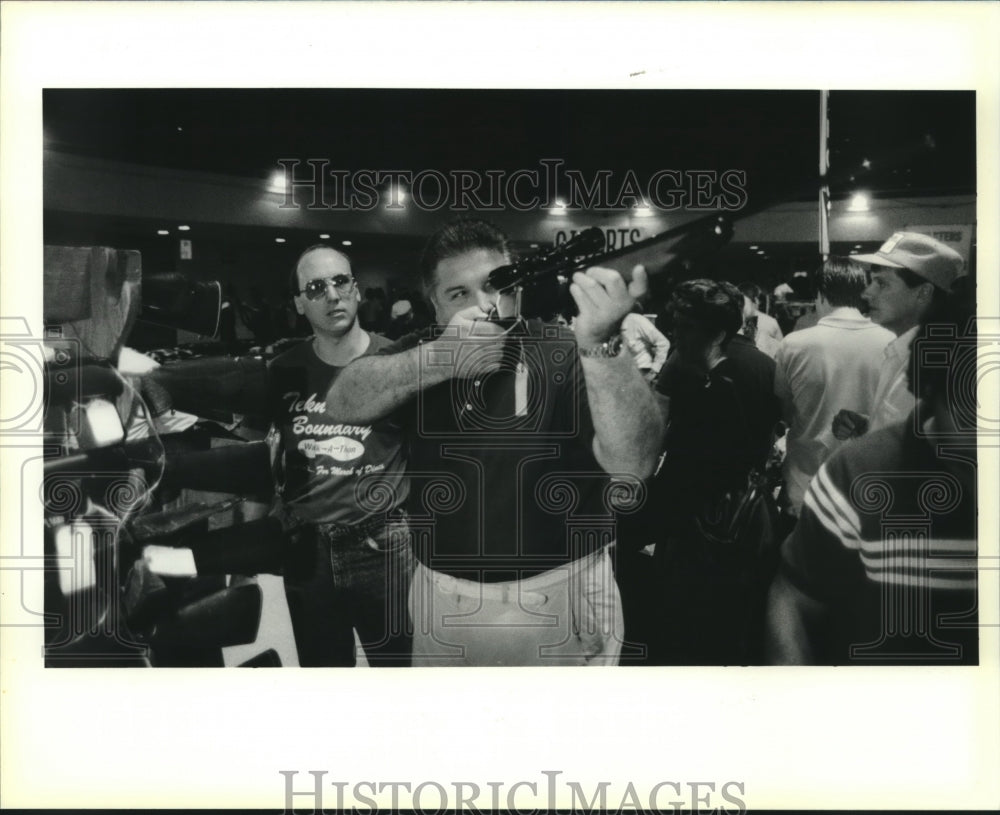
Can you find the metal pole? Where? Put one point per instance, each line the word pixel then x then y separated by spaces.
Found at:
pixel 824 166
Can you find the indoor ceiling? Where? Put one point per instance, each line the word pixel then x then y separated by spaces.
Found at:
pixel 914 143
pixel 891 144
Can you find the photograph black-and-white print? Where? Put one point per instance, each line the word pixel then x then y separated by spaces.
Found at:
pixel 687 378
pixel 379 380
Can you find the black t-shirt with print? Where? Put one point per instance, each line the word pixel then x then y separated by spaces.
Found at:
pixel 334 472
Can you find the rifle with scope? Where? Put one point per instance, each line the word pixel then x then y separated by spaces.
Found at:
pixel 540 281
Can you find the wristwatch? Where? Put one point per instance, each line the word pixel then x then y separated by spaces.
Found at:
pixel 606 350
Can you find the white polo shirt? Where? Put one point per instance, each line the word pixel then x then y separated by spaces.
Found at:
pixel 834 364
pixel 893 400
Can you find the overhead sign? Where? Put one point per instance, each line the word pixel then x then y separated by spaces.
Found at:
pixel 957 236
pixel 614 237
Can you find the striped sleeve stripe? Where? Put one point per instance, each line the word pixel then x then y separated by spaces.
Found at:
pixel 924 581
pixel 909 562
pixel 828 523
pixel 918 563
pixel 840 502
pixel 827 511
pixel 930 550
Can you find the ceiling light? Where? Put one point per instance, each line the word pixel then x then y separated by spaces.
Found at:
pixel 184 228
pixel 559 208
pixel 859 203
pixel 857 246
pixel 345 243
pixel 760 251
pixel 278 182
pixel 642 210
pixel 395 196
pixel 754 247
pixel 324 237
pixel 279 240
pixel 162 231
pixel 866 164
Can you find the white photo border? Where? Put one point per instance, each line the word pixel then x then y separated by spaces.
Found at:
pixel 795 738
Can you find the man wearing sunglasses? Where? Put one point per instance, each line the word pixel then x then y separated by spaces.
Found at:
pixel 514 428
pixel 348 564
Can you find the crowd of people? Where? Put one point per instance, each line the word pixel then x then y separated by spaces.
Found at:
pixel 464 486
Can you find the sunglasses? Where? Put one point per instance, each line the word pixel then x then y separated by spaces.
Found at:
pixel 317 288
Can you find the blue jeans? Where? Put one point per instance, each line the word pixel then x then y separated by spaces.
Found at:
pixel 337 583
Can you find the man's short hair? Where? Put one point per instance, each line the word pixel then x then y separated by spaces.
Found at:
pixel 456 238
pixel 841 281
pixel 715 305
pixel 293 275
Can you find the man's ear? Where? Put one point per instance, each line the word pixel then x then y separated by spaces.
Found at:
pixel 297 299
pixel 926 293
pixel 432 300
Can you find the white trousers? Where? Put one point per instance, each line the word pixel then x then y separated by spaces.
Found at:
pixel 571 615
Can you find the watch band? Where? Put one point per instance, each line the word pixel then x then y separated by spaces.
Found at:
pixel 605 350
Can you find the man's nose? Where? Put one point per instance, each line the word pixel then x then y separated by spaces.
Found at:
pixel 486 300
pixel 332 292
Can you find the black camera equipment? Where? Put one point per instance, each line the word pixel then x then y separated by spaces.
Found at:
pixel 128 581
pixel 105 603
pixel 175 301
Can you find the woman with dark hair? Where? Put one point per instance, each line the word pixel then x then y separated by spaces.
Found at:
pixel 722 409
pixel 722 415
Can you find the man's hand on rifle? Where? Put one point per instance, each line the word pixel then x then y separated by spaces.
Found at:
pixel 603 300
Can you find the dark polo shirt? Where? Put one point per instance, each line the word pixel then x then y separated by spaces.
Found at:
pixel 504 483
